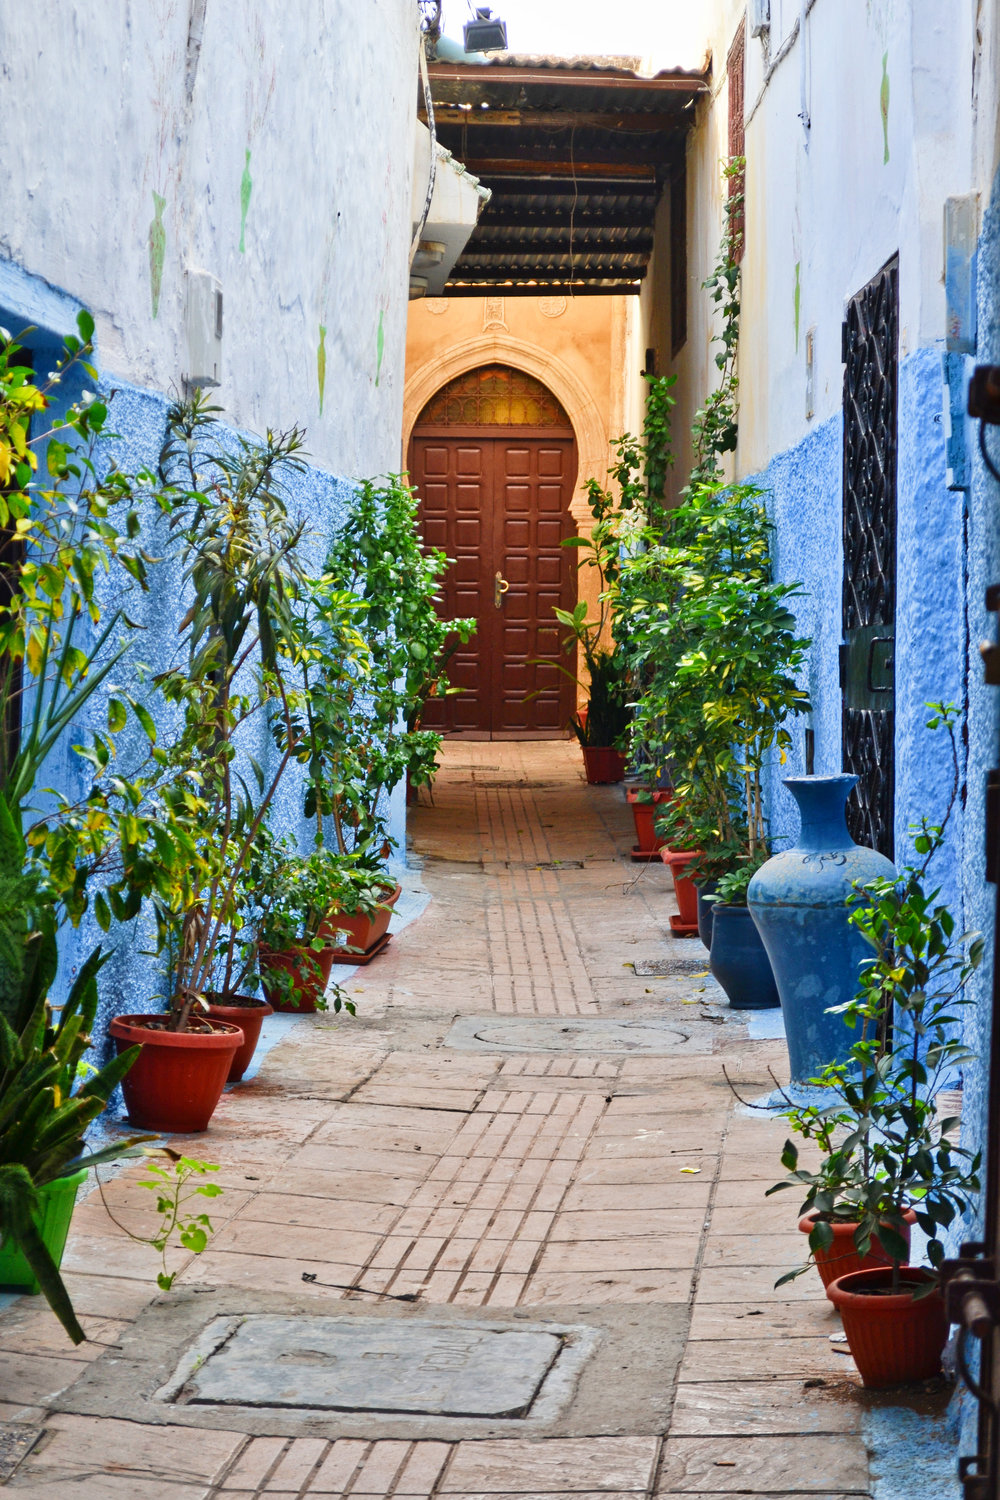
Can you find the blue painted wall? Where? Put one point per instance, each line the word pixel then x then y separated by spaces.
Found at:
pixel 804 485
pixel 132 979
pixel 983 569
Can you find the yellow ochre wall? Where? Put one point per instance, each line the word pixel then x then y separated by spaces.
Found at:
pixel 577 346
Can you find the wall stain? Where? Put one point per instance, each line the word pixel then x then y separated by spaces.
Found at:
pixel 379 346
pixel 797 301
pixel 884 106
pixel 321 365
pixel 157 250
pixel 246 188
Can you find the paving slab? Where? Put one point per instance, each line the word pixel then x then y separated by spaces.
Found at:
pixel 571 1381
pixel 525 1137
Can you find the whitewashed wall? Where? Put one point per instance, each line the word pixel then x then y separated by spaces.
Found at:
pixel 269 145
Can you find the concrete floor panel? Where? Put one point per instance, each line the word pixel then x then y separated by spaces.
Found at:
pixel 530 1124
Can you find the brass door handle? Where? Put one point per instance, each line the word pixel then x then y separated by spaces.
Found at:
pixel 500 587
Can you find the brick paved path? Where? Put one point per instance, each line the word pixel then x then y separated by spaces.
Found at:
pixel 370 1154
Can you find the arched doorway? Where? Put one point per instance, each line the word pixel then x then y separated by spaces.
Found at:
pixel 493 461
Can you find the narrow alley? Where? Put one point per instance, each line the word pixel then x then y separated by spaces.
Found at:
pixel 521 1132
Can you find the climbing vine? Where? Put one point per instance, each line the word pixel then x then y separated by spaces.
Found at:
pixel 715 426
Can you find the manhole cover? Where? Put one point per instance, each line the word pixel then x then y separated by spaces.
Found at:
pixel 666 968
pixel 372 1365
pixel 16 1441
pixel 563 1034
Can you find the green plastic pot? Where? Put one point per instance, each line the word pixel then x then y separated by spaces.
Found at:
pixel 56 1200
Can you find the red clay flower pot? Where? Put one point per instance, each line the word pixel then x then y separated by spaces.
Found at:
pixel 362 932
pixel 842 1258
pixel 310 971
pixel 894 1339
pixel 603 765
pixel 645 815
pixel 678 860
pixel 247 1012
pixel 177 1079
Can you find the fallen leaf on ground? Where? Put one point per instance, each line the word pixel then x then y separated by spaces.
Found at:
pixel 692 1170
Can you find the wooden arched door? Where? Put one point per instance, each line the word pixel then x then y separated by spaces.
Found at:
pixel 493 461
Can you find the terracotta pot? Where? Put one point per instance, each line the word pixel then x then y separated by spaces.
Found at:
pixel 645 815
pixel 177 1079
pixel 842 1258
pixel 894 1338
pixel 685 889
pixel 247 1012
pixel 356 930
pixel 310 971
pixel 603 765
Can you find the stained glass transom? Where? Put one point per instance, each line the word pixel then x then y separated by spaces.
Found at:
pixel 494 396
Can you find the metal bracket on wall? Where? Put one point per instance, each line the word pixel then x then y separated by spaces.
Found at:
pixel 972 1300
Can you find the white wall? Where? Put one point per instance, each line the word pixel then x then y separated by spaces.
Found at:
pixel 824 208
pixel 112 107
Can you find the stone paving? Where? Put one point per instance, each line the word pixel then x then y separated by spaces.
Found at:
pixel 450 1187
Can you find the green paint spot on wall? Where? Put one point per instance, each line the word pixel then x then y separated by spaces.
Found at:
pixel 884 106
pixel 321 365
pixel 797 300
pixel 379 347
pixel 157 250
pixel 246 188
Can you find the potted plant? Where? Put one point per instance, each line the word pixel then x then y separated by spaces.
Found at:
pixel 889 1159
pixel 377 652
pixel 646 802
pixel 718 646
pixel 357 923
pixel 240 548
pixel 297 939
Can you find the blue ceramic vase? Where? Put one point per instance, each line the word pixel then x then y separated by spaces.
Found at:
pixel 799 903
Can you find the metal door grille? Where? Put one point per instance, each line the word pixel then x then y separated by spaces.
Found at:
pixel 494 396
pixel 869 525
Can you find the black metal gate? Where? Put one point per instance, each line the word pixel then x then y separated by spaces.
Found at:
pixel 867 675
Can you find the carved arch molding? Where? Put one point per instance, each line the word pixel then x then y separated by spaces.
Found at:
pixel 569 391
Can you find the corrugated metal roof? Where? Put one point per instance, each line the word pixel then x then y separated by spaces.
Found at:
pixel 575 151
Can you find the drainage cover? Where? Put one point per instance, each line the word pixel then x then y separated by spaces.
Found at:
pixel 563 1034
pixel 373 1365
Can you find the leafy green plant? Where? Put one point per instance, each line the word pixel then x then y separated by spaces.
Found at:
pixel 716 424
pixel 710 629
pixel 175 1184
pixel 626 513
pixel 45 1103
pixel 885 1149
pixel 361 733
pixel 63 531
pixel 242 564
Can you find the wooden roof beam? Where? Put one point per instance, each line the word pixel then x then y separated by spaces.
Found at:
pixel 494 76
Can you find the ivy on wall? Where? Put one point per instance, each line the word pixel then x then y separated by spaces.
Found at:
pixel 715 426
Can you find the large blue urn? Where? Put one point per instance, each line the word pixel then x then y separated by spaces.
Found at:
pixel 799 903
